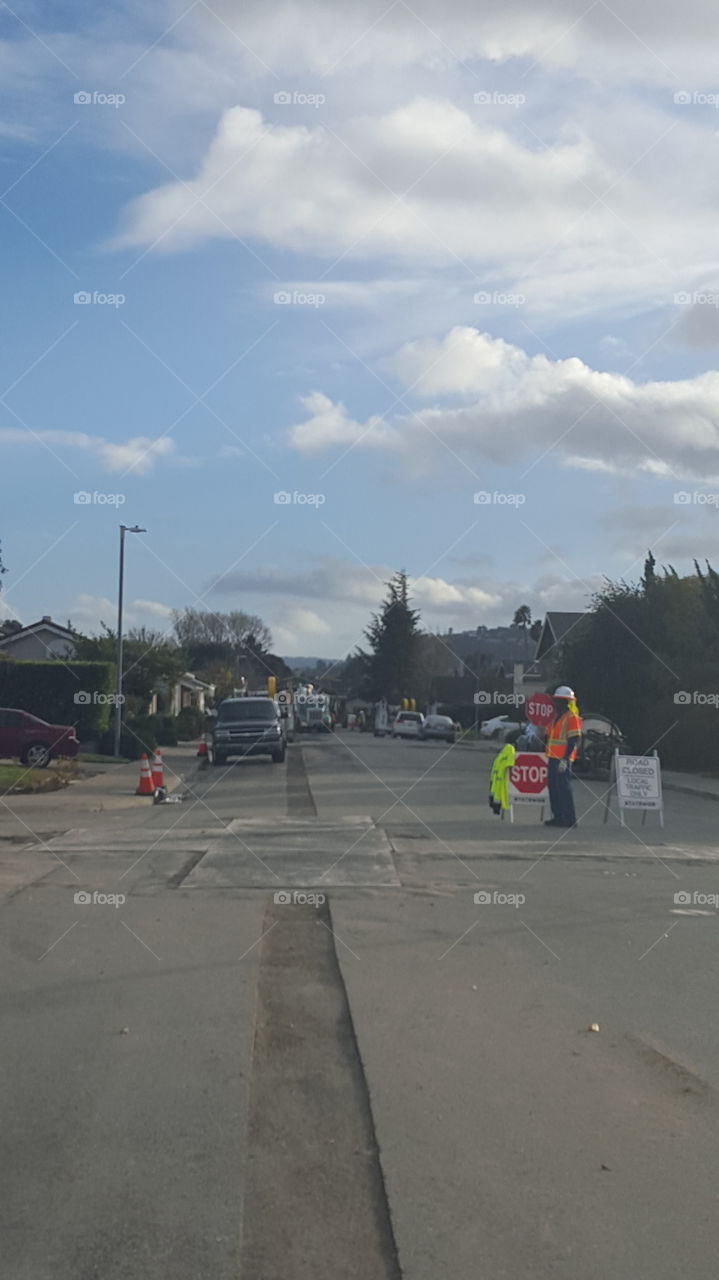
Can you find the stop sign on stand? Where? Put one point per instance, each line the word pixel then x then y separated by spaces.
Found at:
pixel 528 781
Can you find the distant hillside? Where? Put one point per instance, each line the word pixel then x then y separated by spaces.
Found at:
pixel 298 664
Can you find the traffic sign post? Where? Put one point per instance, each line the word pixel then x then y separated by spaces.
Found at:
pixel 528 781
pixel 638 784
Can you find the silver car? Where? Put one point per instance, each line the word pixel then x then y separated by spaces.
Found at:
pixel 441 727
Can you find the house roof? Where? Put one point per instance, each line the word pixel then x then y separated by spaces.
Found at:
pixel 191 681
pixel 554 628
pixel 44 624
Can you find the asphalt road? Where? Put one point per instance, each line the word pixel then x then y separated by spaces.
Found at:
pixel 299 1047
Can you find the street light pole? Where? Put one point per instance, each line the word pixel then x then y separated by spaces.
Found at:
pixel 124 528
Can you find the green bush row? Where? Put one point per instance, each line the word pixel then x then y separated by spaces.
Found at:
pixel 50 690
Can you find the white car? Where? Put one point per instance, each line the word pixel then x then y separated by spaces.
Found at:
pixel 493 728
pixel 408 724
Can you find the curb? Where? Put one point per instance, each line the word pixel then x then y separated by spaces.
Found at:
pixel 690 791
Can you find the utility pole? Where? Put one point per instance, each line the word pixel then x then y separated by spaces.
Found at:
pixel 124 528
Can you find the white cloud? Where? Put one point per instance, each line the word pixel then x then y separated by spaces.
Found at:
pixel 137 455
pixel 337 37
pixel 350 592
pixel 87 612
pixel 522 407
pixel 568 220
pixel 293 627
pixel 329 424
pixel 153 607
pixel 300 187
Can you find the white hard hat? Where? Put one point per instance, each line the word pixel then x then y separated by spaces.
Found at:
pixel 564 691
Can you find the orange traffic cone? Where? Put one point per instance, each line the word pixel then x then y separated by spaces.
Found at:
pixel 158 771
pixel 144 786
pixel 202 748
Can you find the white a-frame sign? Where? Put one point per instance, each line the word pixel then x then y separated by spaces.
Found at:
pixel 638 783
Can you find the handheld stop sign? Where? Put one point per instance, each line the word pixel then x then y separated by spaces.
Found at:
pixel 540 709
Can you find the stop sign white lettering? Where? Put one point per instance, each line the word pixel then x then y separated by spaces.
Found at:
pixel 528 778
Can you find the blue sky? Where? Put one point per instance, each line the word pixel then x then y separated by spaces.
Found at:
pixel 497 233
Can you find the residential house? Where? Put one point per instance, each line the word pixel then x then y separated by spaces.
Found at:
pixel 188 691
pixel 40 642
pixel 556 628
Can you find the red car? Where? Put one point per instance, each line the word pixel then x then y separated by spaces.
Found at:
pixel 33 741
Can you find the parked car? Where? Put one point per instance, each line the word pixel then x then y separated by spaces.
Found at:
pixel 248 727
pixel 441 727
pixel 34 741
pixel 493 728
pixel 408 724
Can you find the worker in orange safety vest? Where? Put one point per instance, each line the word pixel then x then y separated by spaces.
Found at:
pixel 563 738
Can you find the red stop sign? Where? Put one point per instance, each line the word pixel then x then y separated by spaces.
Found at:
pixel 540 709
pixel 528 774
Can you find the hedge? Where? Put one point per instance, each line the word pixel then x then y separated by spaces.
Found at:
pixel 49 689
pixel 138 738
pixel 190 723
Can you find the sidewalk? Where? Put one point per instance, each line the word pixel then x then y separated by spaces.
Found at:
pixel 692 784
pixel 112 788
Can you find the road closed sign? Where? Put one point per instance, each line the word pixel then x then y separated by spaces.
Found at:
pixel 639 782
pixel 540 709
pixel 528 779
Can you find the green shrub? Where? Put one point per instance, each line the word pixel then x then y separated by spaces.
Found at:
pixel 164 729
pixel 49 689
pixel 138 738
pixel 190 723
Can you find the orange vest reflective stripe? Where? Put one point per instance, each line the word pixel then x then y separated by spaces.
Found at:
pixel 559 733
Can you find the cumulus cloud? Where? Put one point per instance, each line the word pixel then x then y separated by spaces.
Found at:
pixel 153 607
pixel 432 185
pixel 137 455
pixel 350 592
pixel 334 37
pixel 88 612
pixel 301 187
pixel 516 408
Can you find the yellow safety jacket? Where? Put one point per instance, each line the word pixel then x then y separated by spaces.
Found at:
pixel 499 776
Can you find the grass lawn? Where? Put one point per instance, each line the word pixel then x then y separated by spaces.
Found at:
pixel 89 757
pixel 18 775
